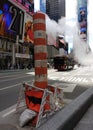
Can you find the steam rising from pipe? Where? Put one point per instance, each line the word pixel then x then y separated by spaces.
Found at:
pixel 81 48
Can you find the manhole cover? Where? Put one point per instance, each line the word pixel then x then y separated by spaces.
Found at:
pixel 7 127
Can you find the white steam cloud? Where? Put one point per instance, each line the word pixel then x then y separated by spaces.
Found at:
pixel 81 48
pixel 54 29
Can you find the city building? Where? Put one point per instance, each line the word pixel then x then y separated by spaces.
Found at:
pixel 82 18
pixel 43 6
pixel 55 9
pixel 14 52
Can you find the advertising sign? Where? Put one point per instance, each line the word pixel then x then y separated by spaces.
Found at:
pixel 82 18
pixel 11 20
pixel 28 31
pixel 27 5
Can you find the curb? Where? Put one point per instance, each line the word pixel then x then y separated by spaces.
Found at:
pixel 67 118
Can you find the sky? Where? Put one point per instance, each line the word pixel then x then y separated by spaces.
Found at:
pixel 36 5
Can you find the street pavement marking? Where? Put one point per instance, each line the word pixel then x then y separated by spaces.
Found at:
pixel 54 78
pixel 13 78
pixel 31 73
pixel 74 79
pixel 12 86
pixel 8 113
pixel 84 74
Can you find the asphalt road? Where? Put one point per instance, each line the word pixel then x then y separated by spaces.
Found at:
pixel 10 84
pixel 73 82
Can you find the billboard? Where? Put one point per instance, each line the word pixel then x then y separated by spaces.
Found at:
pixel 27 5
pixel 11 20
pixel 28 29
pixel 82 18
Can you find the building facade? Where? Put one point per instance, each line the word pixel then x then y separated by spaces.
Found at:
pixel 13 52
pixel 55 9
pixel 43 6
pixel 82 18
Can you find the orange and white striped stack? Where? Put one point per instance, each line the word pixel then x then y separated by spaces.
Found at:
pixel 40 50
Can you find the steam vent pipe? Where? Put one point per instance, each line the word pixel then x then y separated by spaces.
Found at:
pixel 40 50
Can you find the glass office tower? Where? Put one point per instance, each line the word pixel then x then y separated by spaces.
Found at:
pixel 43 6
pixel 55 9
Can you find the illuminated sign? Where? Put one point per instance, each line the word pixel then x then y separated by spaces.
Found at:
pixel 11 20
pixel 82 18
pixel 28 31
pixel 27 5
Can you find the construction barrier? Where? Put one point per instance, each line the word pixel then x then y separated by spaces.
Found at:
pixel 37 100
pixel 40 50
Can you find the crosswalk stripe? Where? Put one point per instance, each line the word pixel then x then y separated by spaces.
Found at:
pixel 64 76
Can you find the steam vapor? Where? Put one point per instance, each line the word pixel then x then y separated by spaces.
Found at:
pixel 81 48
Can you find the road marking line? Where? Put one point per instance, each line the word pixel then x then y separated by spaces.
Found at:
pixel 14 78
pixel 31 73
pixel 8 113
pixel 12 86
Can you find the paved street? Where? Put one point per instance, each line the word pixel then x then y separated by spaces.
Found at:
pixel 10 83
pixel 73 82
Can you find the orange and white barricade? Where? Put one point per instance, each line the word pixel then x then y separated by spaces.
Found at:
pixel 37 100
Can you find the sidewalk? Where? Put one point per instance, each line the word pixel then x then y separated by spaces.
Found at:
pixel 86 123
pixel 65 119
pixel 9 119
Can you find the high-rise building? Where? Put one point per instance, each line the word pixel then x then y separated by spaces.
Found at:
pixel 82 18
pixel 43 6
pixel 62 10
pixel 55 9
